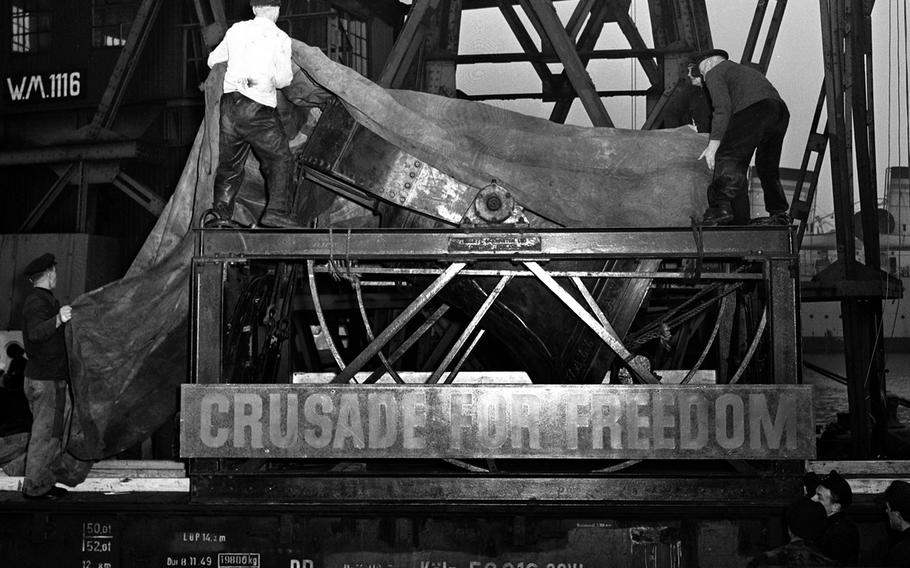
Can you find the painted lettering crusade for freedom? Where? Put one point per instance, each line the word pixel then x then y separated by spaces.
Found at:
pixel 594 421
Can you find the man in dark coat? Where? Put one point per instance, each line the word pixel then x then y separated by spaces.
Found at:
pixel 749 117
pixel 896 499
pixel 840 540
pixel 805 521
pixel 46 384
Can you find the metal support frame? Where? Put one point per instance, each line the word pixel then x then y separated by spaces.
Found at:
pixel 846 26
pixel 407 45
pixel 770 38
pixel 677 28
pixel 125 66
pixel 108 106
pixel 449 255
pixel 142 195
pixel 771 248
pixel 619 491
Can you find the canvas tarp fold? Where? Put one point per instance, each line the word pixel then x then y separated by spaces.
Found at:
pixel 128 340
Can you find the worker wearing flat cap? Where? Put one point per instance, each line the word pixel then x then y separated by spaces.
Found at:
pixel 840 540
pixel 46 379
pixel 258 57
pixel 896 500
pixel 748 117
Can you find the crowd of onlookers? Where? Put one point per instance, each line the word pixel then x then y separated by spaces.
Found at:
pixel 822 534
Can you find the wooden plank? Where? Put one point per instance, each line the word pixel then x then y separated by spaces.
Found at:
pixel 123 476
pixel 112 485
pixel 863 468
pixel 137 469
pixel 503 421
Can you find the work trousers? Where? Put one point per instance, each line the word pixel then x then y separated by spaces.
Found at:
pixel 50 406
pixel 758 129
pixel 245 125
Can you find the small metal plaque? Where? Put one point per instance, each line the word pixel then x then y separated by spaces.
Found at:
pixel 501 421
pixel 495 243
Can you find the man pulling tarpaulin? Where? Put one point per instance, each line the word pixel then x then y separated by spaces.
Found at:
pixel 128 339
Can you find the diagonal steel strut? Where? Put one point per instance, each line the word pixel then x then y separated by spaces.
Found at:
pixel 403 318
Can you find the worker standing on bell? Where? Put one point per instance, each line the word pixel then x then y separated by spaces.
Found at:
pixel 258 57
pixel 748 117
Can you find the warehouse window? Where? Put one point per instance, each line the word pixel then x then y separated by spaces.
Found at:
pixel 349 36
pixel 340 34
pixel 31 26
pixel 111 21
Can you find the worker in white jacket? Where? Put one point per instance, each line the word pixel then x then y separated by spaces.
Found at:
pixel 258 58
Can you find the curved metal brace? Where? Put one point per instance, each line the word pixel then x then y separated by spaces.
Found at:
pixel 311 278
pixel 611 340
pixel 369 329
pixel 617 345
pixel 724 306
pixel 752 348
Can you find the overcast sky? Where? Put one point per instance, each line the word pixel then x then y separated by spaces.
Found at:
pixel 796 70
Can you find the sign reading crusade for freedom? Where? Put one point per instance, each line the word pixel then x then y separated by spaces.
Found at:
pixel 497 421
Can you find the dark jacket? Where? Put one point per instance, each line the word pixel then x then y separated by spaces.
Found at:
pixel 734 87
pixel 688 105
pixel 841 540
pixel 45 343
pixel 794 553
pixel 899 555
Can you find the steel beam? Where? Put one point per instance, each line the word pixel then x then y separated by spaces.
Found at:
pixel 608 336
pixel 48 198
pixel 126 64
pixel 369 244
pixel 207 296
pixel 95 152
pixel 145 197
pixel 508 491
pixel 408 43
pixel 770 37
pixel 574 68
pixel 403 318
pixel 535 57
pixel 845 43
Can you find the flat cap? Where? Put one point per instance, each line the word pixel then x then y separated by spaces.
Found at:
pixel 265 3
pixel 40 264
pixel 838 486
pixel 897 495
pixel 702 55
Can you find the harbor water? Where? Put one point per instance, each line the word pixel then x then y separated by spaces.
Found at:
pixel 830 397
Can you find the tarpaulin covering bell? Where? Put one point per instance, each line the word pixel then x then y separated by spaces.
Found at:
pixel 128 339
